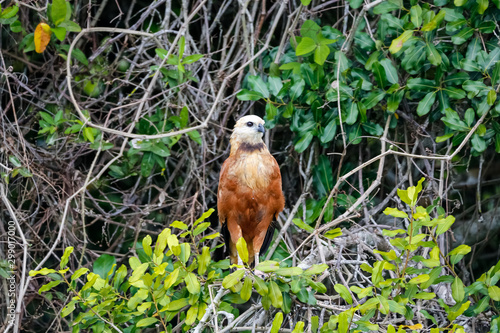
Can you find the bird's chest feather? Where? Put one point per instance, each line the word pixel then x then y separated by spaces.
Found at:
pixel 253 170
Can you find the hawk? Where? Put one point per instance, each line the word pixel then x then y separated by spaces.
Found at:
pixel 249 194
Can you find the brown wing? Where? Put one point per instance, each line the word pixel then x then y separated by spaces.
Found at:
pixel 244 211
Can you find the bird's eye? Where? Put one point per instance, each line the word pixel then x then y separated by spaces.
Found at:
pixel 249 124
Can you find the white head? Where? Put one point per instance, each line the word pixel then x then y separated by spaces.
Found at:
pixel 248 129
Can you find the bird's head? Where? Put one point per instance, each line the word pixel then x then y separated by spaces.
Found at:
pixel 249 130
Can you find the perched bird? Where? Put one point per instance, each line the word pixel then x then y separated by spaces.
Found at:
pixel 249 194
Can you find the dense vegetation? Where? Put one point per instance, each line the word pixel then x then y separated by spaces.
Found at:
pixel 383 116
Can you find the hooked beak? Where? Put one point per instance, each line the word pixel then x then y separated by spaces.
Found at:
pixel 261 129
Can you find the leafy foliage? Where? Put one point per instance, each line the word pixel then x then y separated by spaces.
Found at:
pixel 171 281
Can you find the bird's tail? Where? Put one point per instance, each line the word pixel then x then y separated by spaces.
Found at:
pixel 269 237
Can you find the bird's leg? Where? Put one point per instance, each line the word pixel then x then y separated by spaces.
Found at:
pixel 240 261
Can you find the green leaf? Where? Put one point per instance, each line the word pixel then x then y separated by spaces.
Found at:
pixel 15 161
pixel 204 260
pixel 362 293
pixel 303 142
pixel 334 233
pixel 444 225
pixel 305 2
pixel 296 89
pixel 160 149
pixel 461 249
pixel 58 11
pixel 89 134
pixel 241 246
pixel 343 292
pixel 310 29
pixel 260 286
pixel 494 293
pixel 69 308
pixel 201 228
pixel 395 212
pixel 419 84
pixel 482 6
pixel 384 305
pixel 147 322
pixel 323 175
pixel 182 46
pixel 246 290
pixel 329 132
pixel 387 6
pixel 103 265
pixel 435 22
pixel 179 225
pixel 321 54
pixel 416 15
pixel 195 136
pixel 289 271
pixel 299 327
pixel 171 279
pixel 390 71
pixel 394 101
pixel 79 272
pixel 373 98
pixel 316 269
pixel 192 283
pixel 184 117
pixel 496 73
pixel 443 138
pixel 294 66
pixel 47 117
pixel 452 315
pixel 379 74
pixel 424 106
pixel 397 44
pixel 424 295
pixel 275 295
pixel 275 84
pixel 233 278
pixel 185 253
pixel 71 26
pixel 432 54
pixel 462 36
pixel 271 112
pixel 48 286
pixel 247 95
pixel 258 85
pixel 43 271
pixel 491 97
pixel 8 12
pixel 419 279
pixel 278 320
pixel 457 290
pixel 299 223
pixel 268 266
pixel 342 62
pixel 478 143
pixel 59 32
pixel 305 46
pixel 392 21
pixel 178 304
pixel 138 272
pixel 454 93
pixel 191 58
pixel 161 53
pixel 147 163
